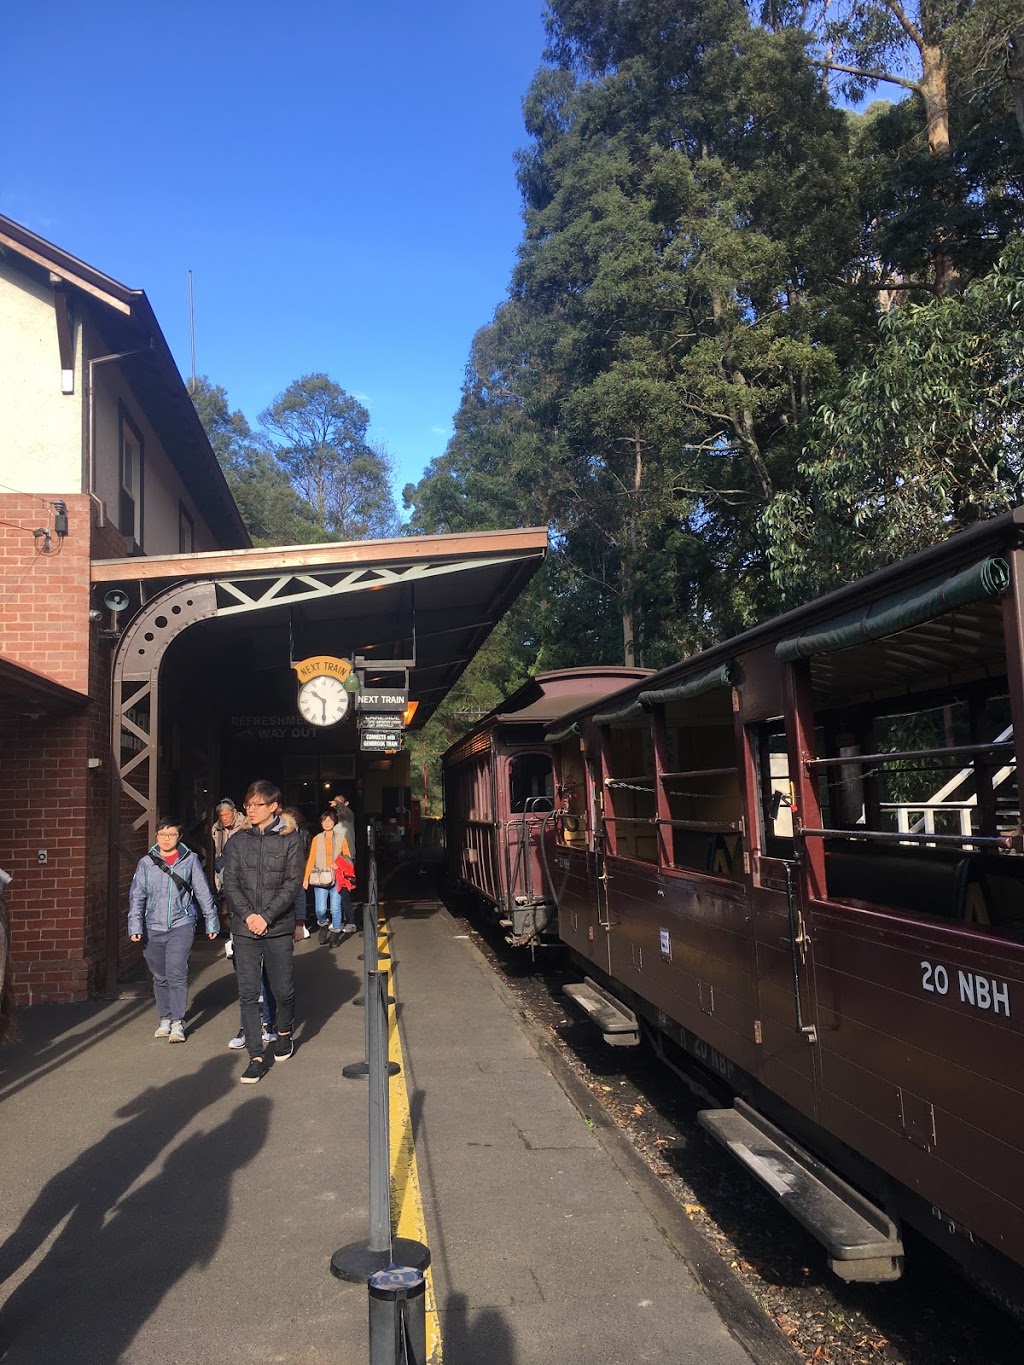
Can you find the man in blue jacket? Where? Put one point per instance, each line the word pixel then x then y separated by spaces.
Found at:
pixel 262 875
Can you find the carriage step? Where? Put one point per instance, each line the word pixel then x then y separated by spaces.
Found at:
pixel 617 1023
pixel 861 1241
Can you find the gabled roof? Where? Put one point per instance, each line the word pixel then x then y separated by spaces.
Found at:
pixel 129 324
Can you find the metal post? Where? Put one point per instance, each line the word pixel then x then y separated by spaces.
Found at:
pixel 371 959
pixel 380 1145
pixel 398 1317
pixel 359 1261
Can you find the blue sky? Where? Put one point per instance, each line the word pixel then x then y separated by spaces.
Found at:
pixel 338 177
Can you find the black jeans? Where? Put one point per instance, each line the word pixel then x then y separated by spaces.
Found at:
pixel 276 955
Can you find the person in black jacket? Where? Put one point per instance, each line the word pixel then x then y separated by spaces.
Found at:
pixel 261 877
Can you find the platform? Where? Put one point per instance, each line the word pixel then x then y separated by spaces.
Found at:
pixel 155 1210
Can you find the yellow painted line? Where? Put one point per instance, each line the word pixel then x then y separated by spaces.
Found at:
pixel 407 1216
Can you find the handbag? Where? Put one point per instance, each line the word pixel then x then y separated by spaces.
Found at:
pixel 321 876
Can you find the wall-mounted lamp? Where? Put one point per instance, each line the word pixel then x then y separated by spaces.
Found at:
pixel 60 517
pixel 94 762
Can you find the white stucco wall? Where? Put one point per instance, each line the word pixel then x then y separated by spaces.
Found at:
pixel 43 432
pixel 162 486
pixel 41 429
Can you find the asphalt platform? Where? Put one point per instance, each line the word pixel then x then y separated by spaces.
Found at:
pixel 155 1211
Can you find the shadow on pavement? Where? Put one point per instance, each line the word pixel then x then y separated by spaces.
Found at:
pixel 52 1035
pixel 482 1336
pixel 114 1255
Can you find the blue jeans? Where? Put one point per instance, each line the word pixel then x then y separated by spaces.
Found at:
pixel 340 907
pixel 167 952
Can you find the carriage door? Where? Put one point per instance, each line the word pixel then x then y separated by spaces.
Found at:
pixel 786 1024
pixel 600 949
pixel 529 842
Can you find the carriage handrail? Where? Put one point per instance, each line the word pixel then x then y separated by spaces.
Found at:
pixel 951 752
pixel 1003 842
pixel 700 772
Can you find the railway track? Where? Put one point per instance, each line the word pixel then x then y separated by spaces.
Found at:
pixel 932 1316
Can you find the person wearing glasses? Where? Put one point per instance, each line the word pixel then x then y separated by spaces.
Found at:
pixel 166 889
pixel 261 877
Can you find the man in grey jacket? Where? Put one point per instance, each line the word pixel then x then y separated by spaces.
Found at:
pixel 262 874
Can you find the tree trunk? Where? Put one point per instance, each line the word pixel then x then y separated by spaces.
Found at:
pixel 935 94
pixel 1015 74
pixel 628 638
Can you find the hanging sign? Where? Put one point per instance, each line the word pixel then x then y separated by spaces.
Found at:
pixel 381 699
pixel 380 741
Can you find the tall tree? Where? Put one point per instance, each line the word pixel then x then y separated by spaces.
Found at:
pixel 272 511
pixel 317 432
pixel 940 52
pixel 922 442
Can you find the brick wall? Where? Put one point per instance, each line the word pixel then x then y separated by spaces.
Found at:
pixel 44 598
pixel 54 799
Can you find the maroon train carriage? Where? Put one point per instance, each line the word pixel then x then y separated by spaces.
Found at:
pixel 798 856
pixel 499 798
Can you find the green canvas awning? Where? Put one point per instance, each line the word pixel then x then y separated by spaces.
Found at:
pixel 722 676
pixel 981 582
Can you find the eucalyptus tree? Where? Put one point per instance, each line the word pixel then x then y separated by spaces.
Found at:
pixel 689 215
pixel 317 433
pixel 922 442
pixel 273 512
pixel 957 69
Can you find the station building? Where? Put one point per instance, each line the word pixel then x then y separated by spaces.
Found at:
pixel 151 659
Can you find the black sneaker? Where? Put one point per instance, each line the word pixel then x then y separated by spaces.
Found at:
pixel 254 1071
pixel 324 934
pixel 283 1047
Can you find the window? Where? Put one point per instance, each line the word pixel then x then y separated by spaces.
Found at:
pixel 530 787
pixel 129 512
pixel 774 790
pixel 572 791
pixel 186 530
pixel 630 807
pixel 700 786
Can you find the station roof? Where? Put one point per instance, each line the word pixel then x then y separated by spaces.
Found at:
pixel 428 600
pixel 30 693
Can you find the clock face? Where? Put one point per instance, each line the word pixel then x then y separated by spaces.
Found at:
pixel 323 701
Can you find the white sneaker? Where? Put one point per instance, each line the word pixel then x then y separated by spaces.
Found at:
pixel 238 1041
pixel 269 1036
pixel 177 1033
pixel 163 1029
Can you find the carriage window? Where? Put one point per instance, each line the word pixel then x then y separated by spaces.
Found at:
pixel 701 788
pixel 630 807
pixel 928 809
pixel 775 790
pixel 571 828
pixel 530 786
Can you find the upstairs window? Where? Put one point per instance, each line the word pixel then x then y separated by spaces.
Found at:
pixel 186 531
pixel 129 512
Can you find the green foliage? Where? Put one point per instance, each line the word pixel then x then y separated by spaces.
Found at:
pixel 925 440
pixel 498 669
pixel 272 511
pixel 317 432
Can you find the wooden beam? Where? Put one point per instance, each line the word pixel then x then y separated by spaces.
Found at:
pixel 67 275
pixel 402 550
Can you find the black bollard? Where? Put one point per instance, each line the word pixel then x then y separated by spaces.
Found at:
pixel 398 1317
pixel 359 1260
